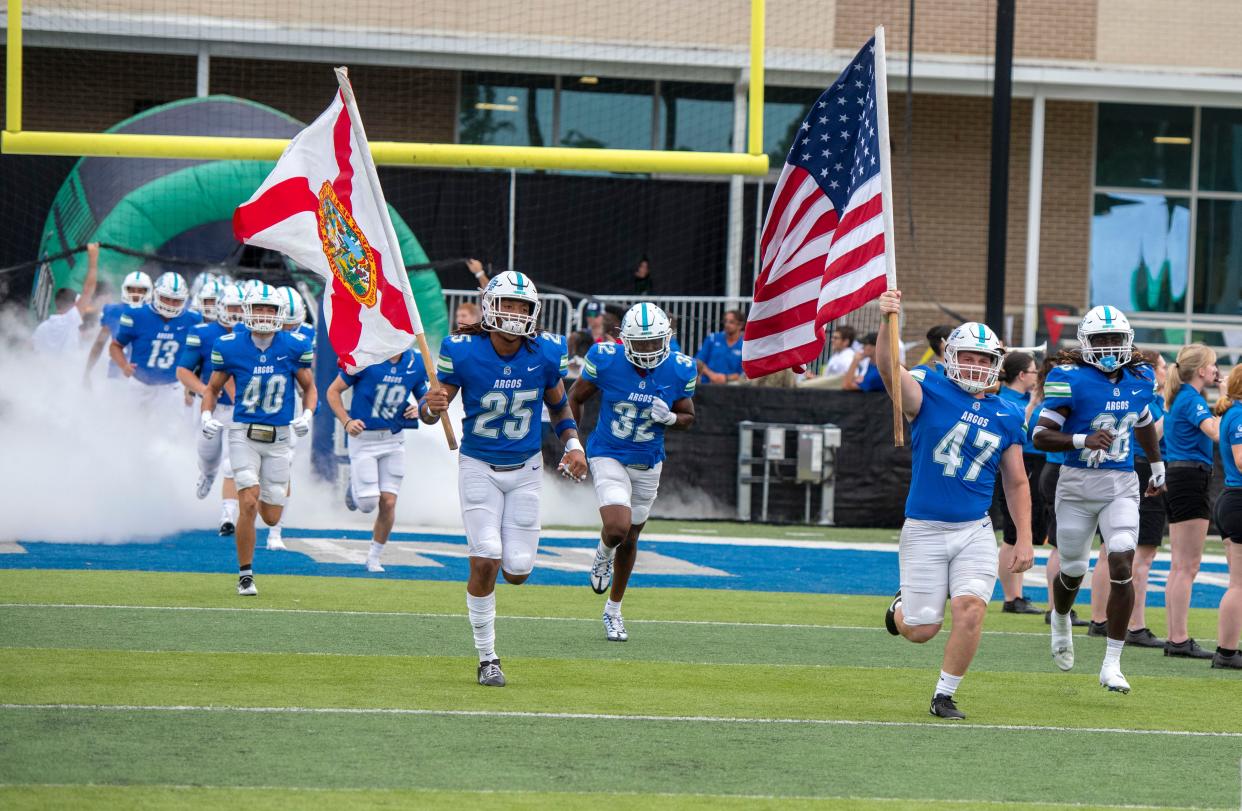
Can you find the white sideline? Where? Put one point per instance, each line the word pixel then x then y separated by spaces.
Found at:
pixel 433 615
pixel 591 716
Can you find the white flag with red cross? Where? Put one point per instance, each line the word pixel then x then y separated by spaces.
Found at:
pixel 322 206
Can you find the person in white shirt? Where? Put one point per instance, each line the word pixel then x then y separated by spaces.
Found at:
pixel 61 332
pixel 842 351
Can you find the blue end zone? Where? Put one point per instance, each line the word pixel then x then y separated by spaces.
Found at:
pixel 562 561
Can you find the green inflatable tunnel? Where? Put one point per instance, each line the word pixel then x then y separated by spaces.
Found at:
pixel 184 208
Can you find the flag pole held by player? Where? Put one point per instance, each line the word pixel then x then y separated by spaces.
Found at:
pixel 890 253
pixel 355 122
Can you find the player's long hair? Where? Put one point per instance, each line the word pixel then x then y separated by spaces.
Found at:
pixel 1232 393
pixel 477 328
pixel 1075 356
pixel 1190 359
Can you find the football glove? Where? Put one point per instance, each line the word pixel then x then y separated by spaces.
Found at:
pixel 301 425
pixel 211 425
pixel 661 413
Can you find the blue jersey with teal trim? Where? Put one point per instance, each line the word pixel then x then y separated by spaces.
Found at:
pixel 196 354
pixel 381 392
pixel 958 440
pixel 1095 402
pixel 1184 440
pixel 1231 436
pixel 111 318
pixel 154 342
pixel 263 378
pixel 625 430
pixel 501 394
pixel 307 331
pixel 1157 412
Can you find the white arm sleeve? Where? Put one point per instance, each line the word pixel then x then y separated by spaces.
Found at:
pixel 1052 416
pixel 1145 419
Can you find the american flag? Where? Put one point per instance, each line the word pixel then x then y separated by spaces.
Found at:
pixel 823 245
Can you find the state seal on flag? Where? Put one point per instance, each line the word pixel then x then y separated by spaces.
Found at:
pixel 349 254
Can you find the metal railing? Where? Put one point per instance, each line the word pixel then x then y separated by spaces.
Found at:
pixel 694 317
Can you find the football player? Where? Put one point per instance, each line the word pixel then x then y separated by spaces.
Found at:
pixel 267 366
pixel 645 389
pixel 387 399
pixel 1093 402
pixel 155 334
pixel 294 322
pixel 962 437
pixel 503 372
pixel 135 291
pixel 193 371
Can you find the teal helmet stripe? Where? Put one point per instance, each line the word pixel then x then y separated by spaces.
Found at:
pixel 646 322
pixel 520 282
pixel 1108 317
pixel 983 335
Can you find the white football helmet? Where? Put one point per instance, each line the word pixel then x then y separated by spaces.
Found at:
pixel 231 306
pixel 646 333
pixel 973 337
pixel 265 311
pixel 295 308
pixel 510 285
pixel 208 299
pixel 169 296
pixel 136 288
pixel 1106 320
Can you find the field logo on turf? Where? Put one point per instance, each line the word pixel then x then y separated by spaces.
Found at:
pixel 349 254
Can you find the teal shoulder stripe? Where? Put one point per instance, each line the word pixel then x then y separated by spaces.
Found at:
pixel 918 374
pixel 193 340
pixel 216 358
pixel 127 321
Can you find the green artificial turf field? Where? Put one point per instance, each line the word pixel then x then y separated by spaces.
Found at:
pixel 137 690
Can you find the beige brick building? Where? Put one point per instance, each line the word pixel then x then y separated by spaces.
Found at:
pixel 545 71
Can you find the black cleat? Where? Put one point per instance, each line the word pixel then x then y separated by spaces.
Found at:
pixel 890 616
pixel 1144 638
pixel 1097 628
pixel 1188 650
pixel 1074 621
pixel 1221 660
pixel 1019 605
pixel 490 674
pixel 942 706
pixel 227 529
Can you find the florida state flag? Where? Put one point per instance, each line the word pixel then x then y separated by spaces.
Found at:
pixel 322 206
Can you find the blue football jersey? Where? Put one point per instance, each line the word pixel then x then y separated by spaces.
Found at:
pixel 501 394
pixel 263 378
pixel 307 331
pixel 625 430
pixel 1021 401
pixel 381 392
pixel 111 318
pixel 196 354
pixel 1157 412
pixel 154 343
pixel 1096 403
pixel 958 440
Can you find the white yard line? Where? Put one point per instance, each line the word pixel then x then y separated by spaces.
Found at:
pixel 432 615
pixel 592 716
pixel 490 793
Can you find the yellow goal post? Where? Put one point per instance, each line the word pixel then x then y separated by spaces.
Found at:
pixel 16 141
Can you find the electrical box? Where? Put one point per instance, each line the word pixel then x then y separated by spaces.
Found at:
pixel 774 444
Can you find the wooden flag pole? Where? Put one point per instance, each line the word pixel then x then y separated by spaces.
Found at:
pixel 433 382
pixel 890 257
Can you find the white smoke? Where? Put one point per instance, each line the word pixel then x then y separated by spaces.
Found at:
pixel 91 464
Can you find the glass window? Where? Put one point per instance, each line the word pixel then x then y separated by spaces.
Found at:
pixel 1218 257
pixel 1139 249
pixel 783 111
pixel 505 109
pixel 696 117
pixel 606 113
pixel 1144 146
pixel 1220 152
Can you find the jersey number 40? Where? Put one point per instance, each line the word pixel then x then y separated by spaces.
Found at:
pixel 948 451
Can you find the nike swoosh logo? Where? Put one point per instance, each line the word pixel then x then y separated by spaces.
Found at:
pixel 534 467
pixel 532 368
pixel 1135 392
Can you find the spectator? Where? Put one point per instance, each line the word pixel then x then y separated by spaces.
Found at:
pixel 467 316
pixel 863 374
pixel 642 277
pixel 842 351
pixel 610 329
pixel 593 319
pixel 1229 520
pixel 1019 377
pixel 720 356
pixel 62 331
pixel 578 344
pixel 933 359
